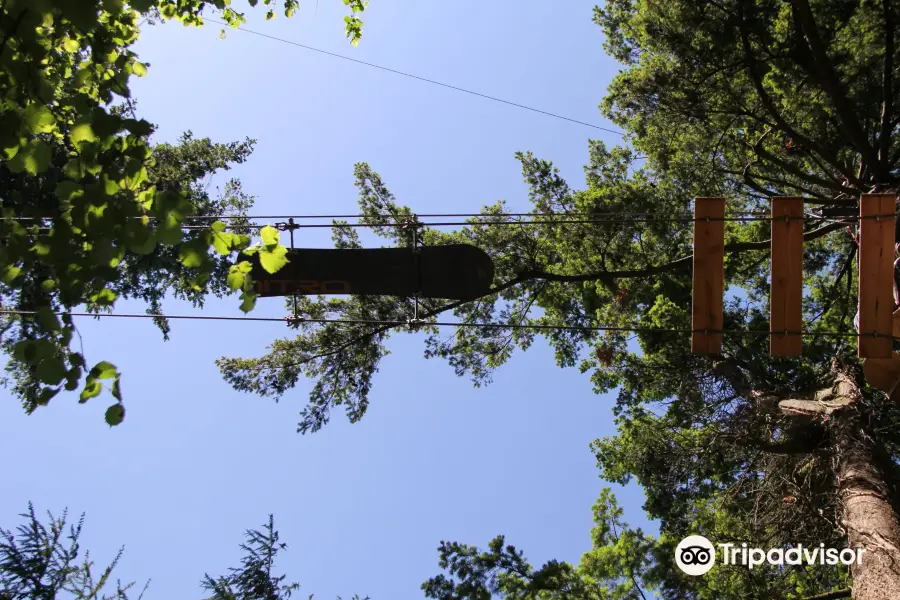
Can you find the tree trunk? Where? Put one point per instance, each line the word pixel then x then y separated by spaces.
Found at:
pixel 866 492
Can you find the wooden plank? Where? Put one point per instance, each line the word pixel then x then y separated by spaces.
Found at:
pixel 451 271
pixel 709 275
pixel 786 299
pixel 884 373
pixel 876 274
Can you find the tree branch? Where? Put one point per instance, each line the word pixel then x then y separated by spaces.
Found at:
pixel 781 182
pixel 682 262
pixel 391 325
pixel 835 595
pixel 884 141
pixel 766 100
pixel 793 170
pixel 830 83
pixel 833 292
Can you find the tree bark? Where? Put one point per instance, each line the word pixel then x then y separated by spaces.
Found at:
pixel 866 492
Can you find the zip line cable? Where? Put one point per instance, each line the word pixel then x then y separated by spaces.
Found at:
pixel 426 80
pixel 492 223
pixel 448 324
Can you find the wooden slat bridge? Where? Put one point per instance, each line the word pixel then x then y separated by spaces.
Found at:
pixel 876 282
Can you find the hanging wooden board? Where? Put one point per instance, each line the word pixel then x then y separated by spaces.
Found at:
pixel 786 296
pixel 876 274
pixel 709 275
pixel 884 373
pixel 452 272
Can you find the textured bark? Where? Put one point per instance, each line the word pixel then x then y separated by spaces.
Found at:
pixel 865 491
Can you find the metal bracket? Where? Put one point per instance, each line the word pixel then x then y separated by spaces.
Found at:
pixel 290 226
pixel 294 320
pixel 415 226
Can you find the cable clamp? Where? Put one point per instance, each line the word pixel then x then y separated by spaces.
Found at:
pixel 287 226
pixel 294 320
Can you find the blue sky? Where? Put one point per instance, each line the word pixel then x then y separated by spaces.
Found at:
pixel 362 506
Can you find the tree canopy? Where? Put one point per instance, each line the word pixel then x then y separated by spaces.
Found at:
pixel 744 99
pixel 42 560
pixel 90 213
pixel 747 99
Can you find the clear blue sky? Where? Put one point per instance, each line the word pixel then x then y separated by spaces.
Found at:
pixel 362 506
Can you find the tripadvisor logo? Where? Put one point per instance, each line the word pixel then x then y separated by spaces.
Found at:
pixel 696 555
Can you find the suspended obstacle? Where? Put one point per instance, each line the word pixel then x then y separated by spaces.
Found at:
pixel 876 281
pixel 453 272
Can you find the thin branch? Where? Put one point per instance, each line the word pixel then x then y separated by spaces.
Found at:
pixel 10 33
pixel 781 182
pixel 769 105
pixel 833 293
pixel 829 81
pixel 682 262
pixel 884 141
pixel 845 593
pixel 384 328
pixel 793 170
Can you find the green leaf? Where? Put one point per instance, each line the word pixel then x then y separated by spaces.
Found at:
pixel 248 301
pixel 104 297
pixel 117 388
pixel 115 414
pixel 140 128
pixel 169 232
pixel 71 45
pixel 193 253
pixel 11 123
pixel 104 370
pixel 238 279
pixel 19 350
pixel 222 242
pixel 39 119
pixel 273 260
pixel 33 158
pixel 33 351
pixel 9 273
pixel 51 371
pixel 66 188
pixel 139 69
pixel 42 247
pixel 270 236
pixel 74 169
pixel 48 319
pixel 10 152
pixel 139 237
pixel 82 14
pixel 142 6
pixel 73 376
pixel 47 394
pixel 92 389
pixel 82 133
